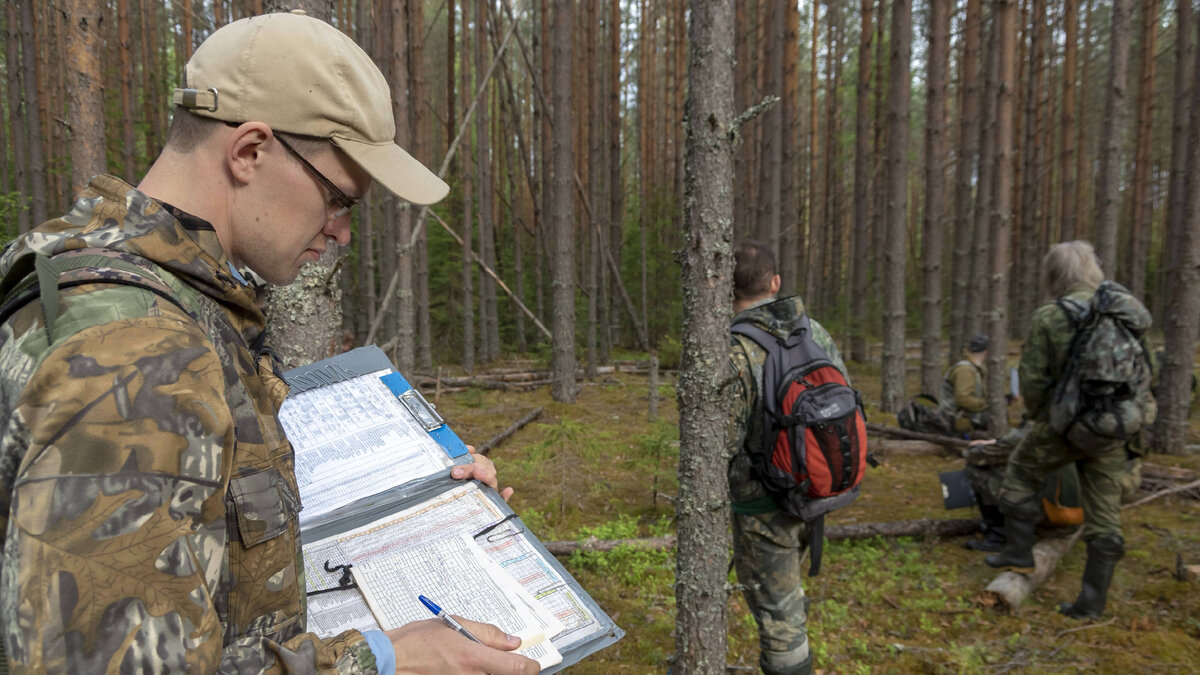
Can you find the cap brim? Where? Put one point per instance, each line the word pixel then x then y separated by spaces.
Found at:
pixel 396 170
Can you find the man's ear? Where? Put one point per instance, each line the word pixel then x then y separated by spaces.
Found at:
pixel 776 282
pixel 244 152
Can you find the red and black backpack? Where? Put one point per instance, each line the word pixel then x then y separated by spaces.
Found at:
pixel 814 446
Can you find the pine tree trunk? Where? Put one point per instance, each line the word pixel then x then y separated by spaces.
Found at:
pixel 488 317
pixel 563 216
pixel 403 223
pixel 616 188
pixel 1183 306
pixel 1108 183
pixel 791 221
pixel 1142 208
pixel 702 561
pixel 966 162
pixel 468 269
pixel 1024 288
pixel 899 84
pixel 128 145
pixel 935 195
pixel 1006 47
pixel 421 142
pixel 1067 169
pixel 978 294
pixel 862 188
pixel 17 112
pixel 86 98
pixel 1084 173
pixel 33 125
pixel 816 193
pixel 1177 196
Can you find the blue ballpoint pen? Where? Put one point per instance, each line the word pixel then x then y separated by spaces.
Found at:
pixel 446 618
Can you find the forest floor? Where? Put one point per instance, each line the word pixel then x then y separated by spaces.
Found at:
pixel 601 468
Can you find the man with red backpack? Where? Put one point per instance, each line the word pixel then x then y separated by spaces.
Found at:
pixel 769 543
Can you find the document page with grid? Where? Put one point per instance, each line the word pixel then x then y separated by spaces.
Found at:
pixel 384 534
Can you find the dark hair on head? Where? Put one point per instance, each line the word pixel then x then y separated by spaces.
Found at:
pixel 753 269
pixel 978 343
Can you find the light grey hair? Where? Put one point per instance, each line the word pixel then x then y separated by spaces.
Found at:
pixel 1070 263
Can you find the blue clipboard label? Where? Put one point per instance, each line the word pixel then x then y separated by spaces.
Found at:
pixel 425 415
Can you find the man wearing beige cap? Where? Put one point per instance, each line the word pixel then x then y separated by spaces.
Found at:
pixel 147 491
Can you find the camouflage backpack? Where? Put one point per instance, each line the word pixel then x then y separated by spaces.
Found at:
pixel 1100 400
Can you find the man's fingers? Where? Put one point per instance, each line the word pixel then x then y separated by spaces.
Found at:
pixel 490 635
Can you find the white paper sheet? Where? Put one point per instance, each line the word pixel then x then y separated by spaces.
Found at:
pixel 354 439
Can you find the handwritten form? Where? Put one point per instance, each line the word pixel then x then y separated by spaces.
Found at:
pixel 353 439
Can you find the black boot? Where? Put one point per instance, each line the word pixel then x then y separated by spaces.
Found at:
pixel 1018 549
pixel 993 530
pixel 1103 552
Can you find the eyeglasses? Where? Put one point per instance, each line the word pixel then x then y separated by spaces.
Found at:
pixel 347 202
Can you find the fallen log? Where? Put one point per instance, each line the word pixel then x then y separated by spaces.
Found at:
pixel 897 432
pixel 901 528
pixel 887 447
pixel 1009 589
pixel 512 429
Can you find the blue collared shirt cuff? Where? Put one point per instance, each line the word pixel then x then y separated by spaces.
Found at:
pixel 385 653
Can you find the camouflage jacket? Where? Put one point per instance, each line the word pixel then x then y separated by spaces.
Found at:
pixel 778 317
pixel 1045 352
pixel 148 492
pixel 963 396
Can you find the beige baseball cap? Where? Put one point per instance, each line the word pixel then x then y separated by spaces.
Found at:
pixel 303 76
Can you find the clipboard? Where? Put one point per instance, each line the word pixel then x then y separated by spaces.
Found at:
pixel 492 523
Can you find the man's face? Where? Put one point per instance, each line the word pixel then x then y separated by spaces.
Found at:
pixel 293 217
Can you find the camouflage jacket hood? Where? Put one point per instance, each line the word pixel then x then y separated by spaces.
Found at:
pixel 148 497
pixel 112 215
pixel 777 317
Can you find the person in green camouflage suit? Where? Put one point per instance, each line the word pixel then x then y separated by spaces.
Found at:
pixel 1072 270
pixel 768 544
pixel 149 496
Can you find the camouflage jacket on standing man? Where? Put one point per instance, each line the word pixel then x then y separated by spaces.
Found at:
pixel 778 317
pixel 147 489
pixel 964 401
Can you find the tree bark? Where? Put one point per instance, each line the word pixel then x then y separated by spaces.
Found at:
pixel 1001 221
pixel 966 162
pixel 86 98
pixel 402 255
pixel 1183 307
pixel 33 125
pixel 488 309
pixel 17 110
pixel 977 302
pixel 1024 284
pixel 701 588
pixel 1108 184
pixel 895 258
pixel 563 216
pixel 1067 169
pixel 468 270
pixel 938 65
pixel 126 74
pixel 862 187
pixel 1142 208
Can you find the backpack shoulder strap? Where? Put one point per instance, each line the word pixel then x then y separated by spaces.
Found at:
pixel 75 268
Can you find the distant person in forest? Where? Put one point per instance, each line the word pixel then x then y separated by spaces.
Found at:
pixel 768 544
pixel 148 498
pixel 964 401
pixel 1053 363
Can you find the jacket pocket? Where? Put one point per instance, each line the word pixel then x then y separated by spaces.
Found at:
pixel 265 504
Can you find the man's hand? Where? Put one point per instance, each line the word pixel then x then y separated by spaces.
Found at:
pixel 430 647
pixel 483 470
pixel 989 441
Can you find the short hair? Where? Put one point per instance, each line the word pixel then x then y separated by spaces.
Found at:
pixel 978 343
pixel 753 269
pixel 1070 263
pixel 188 131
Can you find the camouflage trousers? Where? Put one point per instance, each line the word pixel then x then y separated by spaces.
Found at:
pixel 768 549
pixel 1103 477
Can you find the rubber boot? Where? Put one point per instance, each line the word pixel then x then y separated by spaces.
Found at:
pixel 1103 552
pixel 993 530
pixel 1018 549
